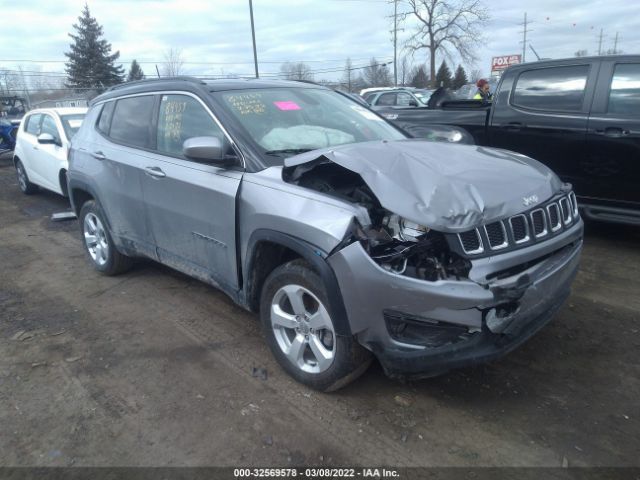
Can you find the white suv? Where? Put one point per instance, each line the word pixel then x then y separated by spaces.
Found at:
pixel 42 145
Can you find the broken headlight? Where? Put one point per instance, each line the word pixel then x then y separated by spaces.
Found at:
pixel 403 229
pixel 407 248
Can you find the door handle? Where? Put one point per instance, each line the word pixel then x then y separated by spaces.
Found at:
pixel 98 155
pixel 155 172
pixel 35 148
pixel 613 132
pixel 513 126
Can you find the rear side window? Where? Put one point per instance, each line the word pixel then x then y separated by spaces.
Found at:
pixel 387 99
pixel 33 124
pixel 105 117
pixel 182 117
pixel 624 96
pixel 555 88
pixel 132 119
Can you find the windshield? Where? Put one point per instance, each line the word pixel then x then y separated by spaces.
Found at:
pixel 287 121
pixel 71 123
pixel 423 95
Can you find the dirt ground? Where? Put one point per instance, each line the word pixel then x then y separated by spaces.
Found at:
pixel 152 368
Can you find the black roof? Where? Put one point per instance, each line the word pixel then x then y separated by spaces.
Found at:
pixel 197 84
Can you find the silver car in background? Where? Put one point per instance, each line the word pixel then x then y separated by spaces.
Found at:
pixel 349 239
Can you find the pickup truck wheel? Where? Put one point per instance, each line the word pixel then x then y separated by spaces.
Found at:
pixel 299 330
pixel 98 244
pixel 26 186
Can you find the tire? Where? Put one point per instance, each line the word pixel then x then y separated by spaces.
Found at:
pixel 97 242
pixel 302 337
pixel 25 185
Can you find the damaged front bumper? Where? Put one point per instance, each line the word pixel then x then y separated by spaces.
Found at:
pixel 419 328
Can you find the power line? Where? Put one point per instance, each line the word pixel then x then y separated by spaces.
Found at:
pixel 334 60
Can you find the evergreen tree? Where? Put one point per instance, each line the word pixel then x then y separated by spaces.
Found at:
pixel 443 76
pixel 419 77
pixel 460 78
pixel 135 72
pixel 91 63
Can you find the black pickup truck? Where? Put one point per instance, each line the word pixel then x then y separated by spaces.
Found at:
pixel 579 116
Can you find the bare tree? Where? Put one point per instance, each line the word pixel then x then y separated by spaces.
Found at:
pixel 12 82
pixel 475 75
pixel 447 26
pixel 296 71
pixel 376 74
pixel 404 70
pixel 173 63
pixel 348 77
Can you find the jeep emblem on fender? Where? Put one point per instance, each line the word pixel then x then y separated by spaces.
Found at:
pixel 530 200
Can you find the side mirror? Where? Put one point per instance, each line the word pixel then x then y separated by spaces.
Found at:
pixel 206 149
pixel 47 139
pixel 413 102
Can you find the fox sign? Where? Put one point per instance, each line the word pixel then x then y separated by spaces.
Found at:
pixel 504 61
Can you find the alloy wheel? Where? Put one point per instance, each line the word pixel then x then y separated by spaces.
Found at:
pixel 303 328
pixel 95 238
pixel 22 177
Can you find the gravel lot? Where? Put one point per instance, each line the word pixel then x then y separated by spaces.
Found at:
pixel 154 368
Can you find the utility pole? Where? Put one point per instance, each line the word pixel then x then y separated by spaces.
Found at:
pixel 395 43
pixel 600 43
pixel 524 38
pixel 253 36
pixel 615 45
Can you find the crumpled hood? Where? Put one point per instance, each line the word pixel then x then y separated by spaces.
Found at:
pixel 445 187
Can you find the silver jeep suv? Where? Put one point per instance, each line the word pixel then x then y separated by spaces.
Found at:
pixel 349 238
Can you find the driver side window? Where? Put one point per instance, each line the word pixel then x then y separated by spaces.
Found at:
pixel 182 117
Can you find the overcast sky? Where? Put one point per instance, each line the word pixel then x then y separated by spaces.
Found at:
pixel 215 35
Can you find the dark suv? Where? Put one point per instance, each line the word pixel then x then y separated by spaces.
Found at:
pixel 348 238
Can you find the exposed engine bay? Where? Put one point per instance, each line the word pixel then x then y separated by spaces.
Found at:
pixel 396 244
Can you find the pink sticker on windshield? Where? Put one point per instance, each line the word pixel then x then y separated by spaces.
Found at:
pixel 288 105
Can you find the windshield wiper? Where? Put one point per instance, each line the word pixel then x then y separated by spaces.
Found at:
pixel 293 151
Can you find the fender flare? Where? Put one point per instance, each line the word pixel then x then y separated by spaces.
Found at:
pixel 317 258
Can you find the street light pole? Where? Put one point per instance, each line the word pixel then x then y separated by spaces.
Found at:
pixel 395 43
pixel 253 36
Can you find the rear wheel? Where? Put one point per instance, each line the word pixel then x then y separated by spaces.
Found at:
pixel 299 329
pixel 26 186
pixel 98 244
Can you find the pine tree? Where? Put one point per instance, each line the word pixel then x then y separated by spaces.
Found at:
pixel 419 77
pixel 443 76
pixel 135 72
pixel 460 78
pixel 91 63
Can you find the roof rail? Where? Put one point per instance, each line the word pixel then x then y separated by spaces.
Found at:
pixel 182 78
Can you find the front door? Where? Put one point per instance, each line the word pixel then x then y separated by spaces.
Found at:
pixel 191 205
pixel 50 155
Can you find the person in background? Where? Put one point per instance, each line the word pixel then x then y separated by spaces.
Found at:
pixel 483 92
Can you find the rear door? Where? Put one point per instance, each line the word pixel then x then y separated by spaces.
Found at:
pixel 612 166
pixel 191 205
pixel 542 112
pixel 117 157
pixel 28 146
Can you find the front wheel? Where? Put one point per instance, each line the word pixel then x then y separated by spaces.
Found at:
pixel 97 242
pixel 297 324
